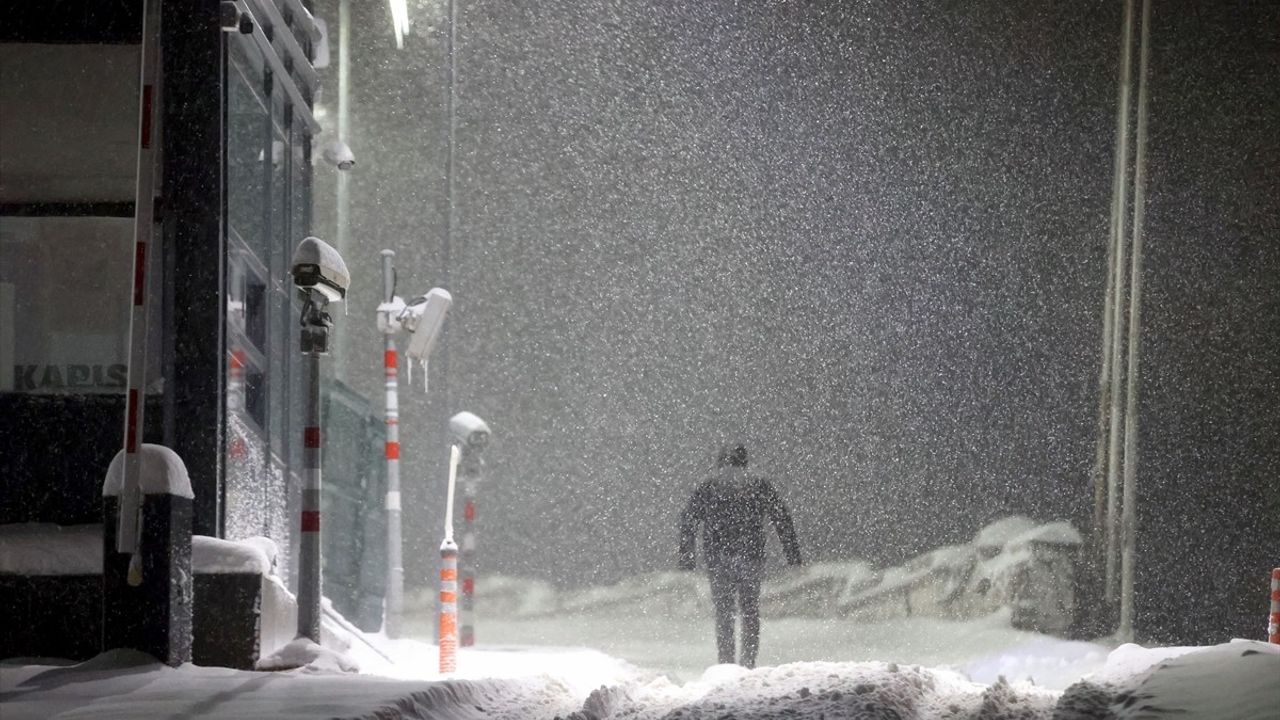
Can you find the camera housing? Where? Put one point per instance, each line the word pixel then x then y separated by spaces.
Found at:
pixel 339 154
pixel 422 317
pixel 317 266
pixel 469 430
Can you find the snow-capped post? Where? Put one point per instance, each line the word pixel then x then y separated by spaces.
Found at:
pixel 153 614
pixel 422 317
pixel 473 434
pixel 448 642
pixel 321 275
pixel 1273 624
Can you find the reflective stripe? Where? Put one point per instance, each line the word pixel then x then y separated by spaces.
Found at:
pixel 311 521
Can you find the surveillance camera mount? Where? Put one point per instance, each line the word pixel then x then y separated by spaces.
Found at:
pixel 316 324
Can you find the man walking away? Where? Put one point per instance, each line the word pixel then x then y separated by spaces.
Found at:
pixel 731 507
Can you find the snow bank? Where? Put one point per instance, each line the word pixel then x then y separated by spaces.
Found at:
pixel 822 690
pixel 1239 680
pixel 48 549
pixel 1014 563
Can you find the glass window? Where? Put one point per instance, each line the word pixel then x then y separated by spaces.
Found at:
pixel 65 305
pixel 248 152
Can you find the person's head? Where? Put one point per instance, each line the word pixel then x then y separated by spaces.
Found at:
pixel 732 455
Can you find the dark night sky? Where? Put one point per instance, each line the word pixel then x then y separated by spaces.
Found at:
pixel 869 236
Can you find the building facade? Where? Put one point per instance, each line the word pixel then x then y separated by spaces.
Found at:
pixel 224 383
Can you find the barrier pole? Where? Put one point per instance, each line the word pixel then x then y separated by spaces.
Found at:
pixel 449 578
pixel 129 524
pixel 309 563
pixel 467 634
pixel 1273 626
pixel 394 601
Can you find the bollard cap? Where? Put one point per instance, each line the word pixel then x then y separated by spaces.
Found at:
pixel 160 472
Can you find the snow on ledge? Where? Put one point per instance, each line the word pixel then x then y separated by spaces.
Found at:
pixel 161 472
pixel 215 556
pixel 49 549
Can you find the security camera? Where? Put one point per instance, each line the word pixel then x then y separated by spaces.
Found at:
pixel 423 317
pixel 317 266
pixel 337 153
pixel 231 19
pixel 470 430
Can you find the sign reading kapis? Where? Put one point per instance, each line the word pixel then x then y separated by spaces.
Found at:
pixel 70 378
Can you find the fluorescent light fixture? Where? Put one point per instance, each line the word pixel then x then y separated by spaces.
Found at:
pixel 399 21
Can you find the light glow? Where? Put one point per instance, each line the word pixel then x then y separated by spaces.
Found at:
pixel 399 21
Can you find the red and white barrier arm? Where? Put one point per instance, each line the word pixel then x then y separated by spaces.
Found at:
pixel 129 529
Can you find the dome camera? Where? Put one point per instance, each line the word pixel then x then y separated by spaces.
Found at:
pixel 338 154
pixel 317 266
pixel 470 430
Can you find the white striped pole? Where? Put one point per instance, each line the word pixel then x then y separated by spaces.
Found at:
pixel 309 590
pixel 129 529
pixel 448 642
pixel 1273 624
pixel 467 610
pixel 394 601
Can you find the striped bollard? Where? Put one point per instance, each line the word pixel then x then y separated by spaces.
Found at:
pixel 319 272
pixel 448 606
pixel 467 634
pixel 309 590
pixel 395 553
pixel 1273 627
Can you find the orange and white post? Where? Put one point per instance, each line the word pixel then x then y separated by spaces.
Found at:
pixel 1273 625
pixel 449 577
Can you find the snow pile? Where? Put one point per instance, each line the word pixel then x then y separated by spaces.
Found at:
pixel 822 690
pixel 1239 680
pixel 48 549
pixel 303 653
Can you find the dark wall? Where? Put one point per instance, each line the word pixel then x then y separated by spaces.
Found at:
pixel 1210 454
pixel 56 452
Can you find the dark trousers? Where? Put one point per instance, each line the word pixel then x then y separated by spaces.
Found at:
pixel 735 587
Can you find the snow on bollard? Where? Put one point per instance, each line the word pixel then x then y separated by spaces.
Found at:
pixel 149 610
pixel 449 577
pixel 1273 626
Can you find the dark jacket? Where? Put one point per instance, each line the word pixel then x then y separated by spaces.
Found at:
pixel 732 511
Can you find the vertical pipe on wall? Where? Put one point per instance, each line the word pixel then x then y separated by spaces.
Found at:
pixel 1119 206
pixel 1129 519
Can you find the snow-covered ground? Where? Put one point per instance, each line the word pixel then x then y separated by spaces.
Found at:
pixel 839 640
pixel 906 670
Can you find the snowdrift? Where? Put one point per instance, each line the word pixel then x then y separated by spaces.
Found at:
pixel 1013 563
